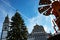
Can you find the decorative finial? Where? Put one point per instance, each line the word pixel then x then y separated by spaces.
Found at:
pixel 17 10
pixel 7 15
pixel 36 23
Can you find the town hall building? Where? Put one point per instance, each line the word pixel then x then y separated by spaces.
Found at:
pixel 5 28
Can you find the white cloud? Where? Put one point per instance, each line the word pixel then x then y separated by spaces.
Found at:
pixel 37 20
pixel 3 11
pixel 13 9
pixel 47 29
pixel 52 19
pixel 31 21
pixel 46 22
pixel 8 4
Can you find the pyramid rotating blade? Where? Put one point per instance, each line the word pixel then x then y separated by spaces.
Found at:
pixel 42 9
pixel 48 12
pixel 41 2
pixel 44 5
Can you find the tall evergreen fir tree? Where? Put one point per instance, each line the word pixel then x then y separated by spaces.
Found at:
pixel 18 30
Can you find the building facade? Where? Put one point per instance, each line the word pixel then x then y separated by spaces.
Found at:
pixel 38 33
pixel 5 28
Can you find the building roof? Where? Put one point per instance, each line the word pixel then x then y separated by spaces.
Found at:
pixel 6 19
pixel 38 33
pixel 38 29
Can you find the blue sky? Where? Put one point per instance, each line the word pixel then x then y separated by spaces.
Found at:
pixel 29 12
